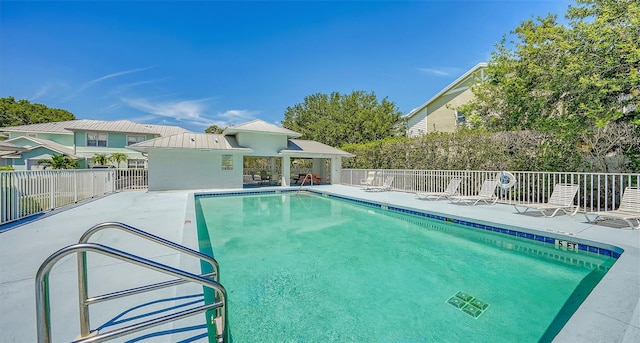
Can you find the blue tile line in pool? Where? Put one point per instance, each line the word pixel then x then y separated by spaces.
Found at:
pixel 539 238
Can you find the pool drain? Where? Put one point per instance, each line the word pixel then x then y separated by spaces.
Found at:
pixel 468 304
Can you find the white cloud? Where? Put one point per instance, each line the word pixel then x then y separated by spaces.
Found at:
pixel 44 90
pixel 188 111
pixel 126 87
pixel 237 116
pixel 438 71
pixel 102 78
pixel 50 90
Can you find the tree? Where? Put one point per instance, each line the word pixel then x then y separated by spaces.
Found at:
pixel 22 112
pixel 565 78
pixel 339 119
pixel 214 129
pixel 59 162
pixel 118 157
pixel 100 159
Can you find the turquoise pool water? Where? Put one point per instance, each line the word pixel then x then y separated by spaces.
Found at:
pixel 305 268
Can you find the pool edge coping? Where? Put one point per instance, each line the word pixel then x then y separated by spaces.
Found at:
pixel 591 322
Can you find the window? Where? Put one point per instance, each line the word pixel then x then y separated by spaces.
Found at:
pixel 135 139
pixel 460 118
pixel 135 164
pixel 96 139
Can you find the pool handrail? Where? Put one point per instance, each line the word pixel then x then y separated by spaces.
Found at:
pixel 83 292
pixel 81 248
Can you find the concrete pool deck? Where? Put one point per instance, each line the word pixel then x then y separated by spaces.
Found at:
pixel 610 314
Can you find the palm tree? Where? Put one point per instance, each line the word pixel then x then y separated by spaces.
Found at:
pixel 59 162
pixel 118 157
pixel 100 159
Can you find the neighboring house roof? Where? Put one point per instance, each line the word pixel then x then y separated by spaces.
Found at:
pixel 124 126
pixel 300 147
pixel 447 89
pixel 198 141
pixel 261 126
pixel 166 130
pixel 67 127
pixel 47 144
pixel 5 146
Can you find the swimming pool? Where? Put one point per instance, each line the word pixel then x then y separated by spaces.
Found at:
pixel 300 267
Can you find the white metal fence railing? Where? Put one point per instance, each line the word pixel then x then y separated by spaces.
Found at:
pixel 597 191
pixel 24 193
pixel 131 179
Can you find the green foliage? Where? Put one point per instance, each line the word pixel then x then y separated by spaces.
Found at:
pixel 59 162
pixel 22 112
pixel 339 119
pixel 6 168
pixel 117 157
pixel 468 150
pixel 565 78
pixel 100 159
pixel 214 129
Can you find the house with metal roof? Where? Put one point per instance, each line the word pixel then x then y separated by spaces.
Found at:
pixel 4 146
pixel 439 114
pixel 206 161
pixel 81 140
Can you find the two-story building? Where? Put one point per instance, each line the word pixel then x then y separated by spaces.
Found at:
pixel 439 113
pixel 81 140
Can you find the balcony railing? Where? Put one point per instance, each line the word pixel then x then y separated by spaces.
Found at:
pixel 598 191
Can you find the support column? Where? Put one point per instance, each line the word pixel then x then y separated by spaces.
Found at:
pixel 272 169
pixel 285 178
pixel 317 167
pixel 336 170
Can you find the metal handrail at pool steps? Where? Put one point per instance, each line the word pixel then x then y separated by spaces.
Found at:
pixel 207 280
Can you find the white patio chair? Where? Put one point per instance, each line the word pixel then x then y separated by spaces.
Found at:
pixel 628 211
pixel 371 177
pixel 487 194
pixel 386 186
pixel 561 199
pixel 451 190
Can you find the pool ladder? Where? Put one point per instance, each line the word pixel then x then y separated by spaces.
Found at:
pixel 308 176
pixel 209 280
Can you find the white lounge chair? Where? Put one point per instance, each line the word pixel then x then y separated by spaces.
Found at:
pixel 371 177
pixel 451 190
pixel 487 194
pixel 628 211
pixel 561 199
pixel 386 186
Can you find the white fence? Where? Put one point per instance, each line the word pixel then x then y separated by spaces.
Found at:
pixel 131 179
pixel 25 193
pixel 598 191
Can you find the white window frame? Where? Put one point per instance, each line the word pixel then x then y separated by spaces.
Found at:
pixel 136 139
pixel 98 140
pixel 135 163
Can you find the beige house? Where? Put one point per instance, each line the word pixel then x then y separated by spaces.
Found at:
pixel 438 114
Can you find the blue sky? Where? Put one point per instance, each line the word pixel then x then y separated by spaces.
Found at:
pixel 199 63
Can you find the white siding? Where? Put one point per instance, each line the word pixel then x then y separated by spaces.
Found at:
pixel 417 125
pixel 192 169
